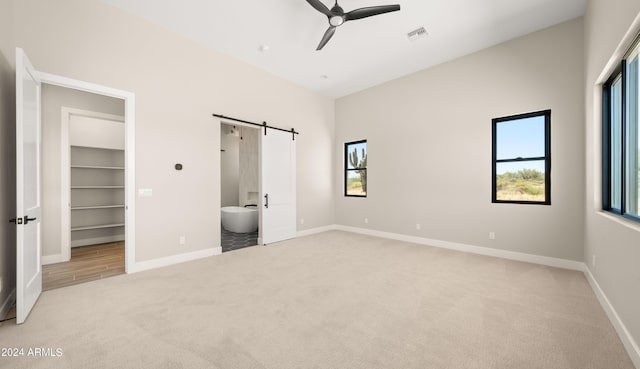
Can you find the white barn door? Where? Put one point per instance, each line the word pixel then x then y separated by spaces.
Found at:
pixel 28 182
pixel 278 186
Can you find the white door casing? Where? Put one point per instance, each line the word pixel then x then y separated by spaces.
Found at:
pixel 28 187
pixel 130 160
pixel 278 172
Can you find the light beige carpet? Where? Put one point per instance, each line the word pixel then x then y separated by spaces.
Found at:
pixel 332 300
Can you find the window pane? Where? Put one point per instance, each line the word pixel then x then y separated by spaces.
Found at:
pixel 520 181
pixel 357 155
pixel 632 138
pixel 357 182
pixel 616 144
pixel 520 138
pixel 621 126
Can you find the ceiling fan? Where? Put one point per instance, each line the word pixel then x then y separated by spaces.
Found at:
pixel 337 16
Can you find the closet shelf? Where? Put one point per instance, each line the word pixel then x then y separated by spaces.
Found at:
pixel 96 167
pixel 73 229
pixel 97 207
pixel 97 148
pixel 95 187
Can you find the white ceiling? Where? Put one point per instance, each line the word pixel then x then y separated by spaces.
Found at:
pixel 363 53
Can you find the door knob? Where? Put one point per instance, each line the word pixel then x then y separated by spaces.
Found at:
pixel 27 219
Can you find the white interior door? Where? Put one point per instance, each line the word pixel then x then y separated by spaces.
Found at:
pixel 278 186
pixel 28 180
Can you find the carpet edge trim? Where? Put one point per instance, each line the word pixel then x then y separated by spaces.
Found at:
pixel 480 250
pixel 141 266
pixel 627 339
pixel 312 231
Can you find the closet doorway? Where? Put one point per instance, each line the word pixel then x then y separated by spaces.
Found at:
pixel 84 198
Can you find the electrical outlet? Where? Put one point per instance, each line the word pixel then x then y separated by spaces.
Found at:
pixel 301 220
pixel 593 260
pixel 418 226
pixel 182 240
pixel 492 235
pixel 366 220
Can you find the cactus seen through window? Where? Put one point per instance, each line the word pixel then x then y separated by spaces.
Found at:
pixel 356 169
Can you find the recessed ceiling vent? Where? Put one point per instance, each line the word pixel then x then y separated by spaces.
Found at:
pixel 417 34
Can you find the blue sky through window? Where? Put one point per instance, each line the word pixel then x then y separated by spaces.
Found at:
pixel 522 138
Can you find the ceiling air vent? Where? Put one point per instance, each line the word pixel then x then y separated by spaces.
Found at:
pixel 417 34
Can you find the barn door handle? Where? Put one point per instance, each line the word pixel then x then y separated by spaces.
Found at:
pixel 27 219
pixel 266 201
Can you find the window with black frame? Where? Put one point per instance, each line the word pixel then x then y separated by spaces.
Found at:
pixel 355 164
pixel 521 150
pixel 620 137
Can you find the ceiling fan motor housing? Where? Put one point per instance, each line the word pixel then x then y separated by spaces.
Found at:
pixel 336 20
pixel 337 16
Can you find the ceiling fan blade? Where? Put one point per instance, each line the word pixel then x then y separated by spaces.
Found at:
pixel 320 7
pixel 370 11
pixel 327 36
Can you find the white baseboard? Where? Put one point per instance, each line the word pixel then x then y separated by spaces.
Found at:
pixel 309 232
pixel 627 339
pixel 505 254
pixel 97 240
pixel 53 259
pixel 7 304
pixel 175 259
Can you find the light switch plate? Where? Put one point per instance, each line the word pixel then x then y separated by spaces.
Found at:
pixel 145 192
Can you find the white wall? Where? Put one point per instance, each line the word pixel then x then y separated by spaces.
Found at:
pixel 229 166
pixel 7 153
pixel 615 242
pixel 179 84
pixel 429 147
pixel 53 99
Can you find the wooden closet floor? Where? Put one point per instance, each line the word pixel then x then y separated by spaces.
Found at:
pixel 88 263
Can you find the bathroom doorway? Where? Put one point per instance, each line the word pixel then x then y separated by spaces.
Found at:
pixel 239 186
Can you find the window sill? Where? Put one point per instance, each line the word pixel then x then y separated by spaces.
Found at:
pixel 620 220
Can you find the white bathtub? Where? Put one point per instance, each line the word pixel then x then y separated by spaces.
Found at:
pixel 239 220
